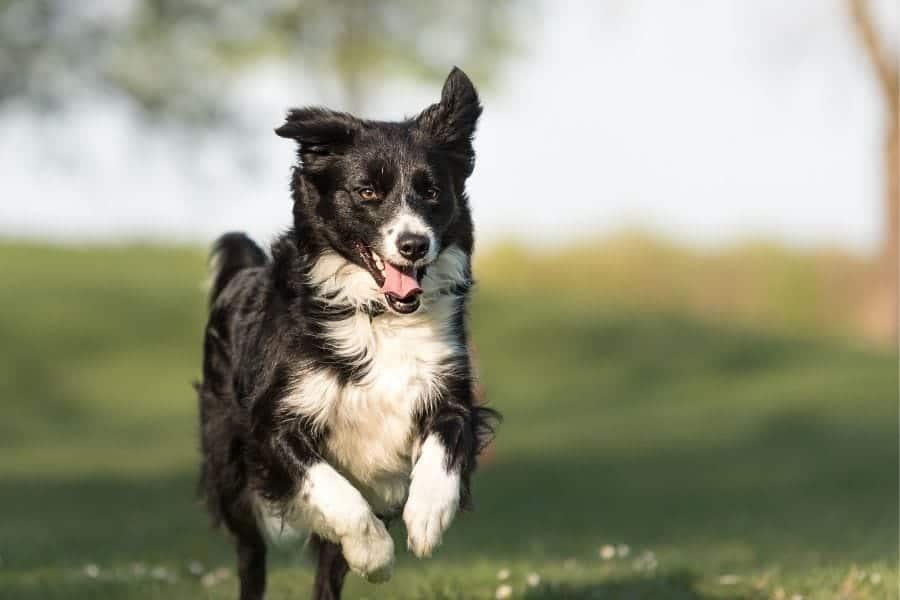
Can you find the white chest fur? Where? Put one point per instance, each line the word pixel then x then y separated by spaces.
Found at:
pixel 370 422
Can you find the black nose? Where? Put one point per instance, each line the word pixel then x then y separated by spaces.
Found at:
pixel 412 246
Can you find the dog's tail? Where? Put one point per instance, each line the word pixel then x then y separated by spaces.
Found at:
pixel 231 253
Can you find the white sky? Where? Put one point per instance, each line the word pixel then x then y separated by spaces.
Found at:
pixel 710 121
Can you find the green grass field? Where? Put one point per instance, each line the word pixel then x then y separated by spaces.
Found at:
pixel 732 464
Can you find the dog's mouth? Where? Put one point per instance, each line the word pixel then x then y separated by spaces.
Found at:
pixel 399 284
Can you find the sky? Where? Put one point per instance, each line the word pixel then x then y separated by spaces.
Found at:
pixel 710 122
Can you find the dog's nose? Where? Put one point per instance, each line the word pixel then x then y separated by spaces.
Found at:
pixel 412 246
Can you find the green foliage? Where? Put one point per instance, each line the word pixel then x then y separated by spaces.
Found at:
pixel 750 465
pixel 179 58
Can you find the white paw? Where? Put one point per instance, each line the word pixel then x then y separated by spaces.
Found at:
pixel 426 520
pixel 369 549
pixel 336 510
pixel 433 500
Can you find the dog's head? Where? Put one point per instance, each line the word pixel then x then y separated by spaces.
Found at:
pixel 388 196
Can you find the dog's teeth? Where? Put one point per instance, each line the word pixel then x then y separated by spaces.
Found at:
pixel 379 263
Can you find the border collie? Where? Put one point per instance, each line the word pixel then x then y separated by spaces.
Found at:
pixel 337 391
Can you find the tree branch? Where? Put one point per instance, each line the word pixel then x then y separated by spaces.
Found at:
pixel 885 65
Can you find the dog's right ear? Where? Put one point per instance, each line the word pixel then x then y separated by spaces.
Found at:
pixel 319 131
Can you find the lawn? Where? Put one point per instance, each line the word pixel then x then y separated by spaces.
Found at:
pixel 643 455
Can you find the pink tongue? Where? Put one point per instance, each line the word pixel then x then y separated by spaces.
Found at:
pixel 400 283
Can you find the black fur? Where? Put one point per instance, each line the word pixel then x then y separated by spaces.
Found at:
pixel 331 568
pixel 231 253
pixel 265 316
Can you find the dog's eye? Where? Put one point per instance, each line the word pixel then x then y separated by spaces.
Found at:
pixel 367 194
pixel 431 193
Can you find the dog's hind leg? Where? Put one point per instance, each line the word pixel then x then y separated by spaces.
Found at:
pixel 252 568
pixel 331 569
pixel 251 553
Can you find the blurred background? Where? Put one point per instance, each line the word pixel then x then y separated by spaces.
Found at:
pixel 702 403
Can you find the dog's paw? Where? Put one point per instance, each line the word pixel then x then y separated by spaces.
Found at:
pixel 433 501
pixel 369 550
pixel 427 516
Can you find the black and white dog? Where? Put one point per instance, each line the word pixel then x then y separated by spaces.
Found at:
pixel 337 387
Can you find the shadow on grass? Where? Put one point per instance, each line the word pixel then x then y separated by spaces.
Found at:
pixel 758 500
pixel 807 494
pixel 56 522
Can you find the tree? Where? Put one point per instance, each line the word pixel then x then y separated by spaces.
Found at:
pixel 174 58
pixel 885 65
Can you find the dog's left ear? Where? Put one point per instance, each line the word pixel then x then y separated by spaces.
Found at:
pixel 451 122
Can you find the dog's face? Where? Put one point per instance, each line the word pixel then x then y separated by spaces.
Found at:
pixel 388 196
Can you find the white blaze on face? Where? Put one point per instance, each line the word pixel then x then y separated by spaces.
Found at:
pixel 406 221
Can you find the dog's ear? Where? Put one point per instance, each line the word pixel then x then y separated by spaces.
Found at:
pixel 451 122
pixel 319 131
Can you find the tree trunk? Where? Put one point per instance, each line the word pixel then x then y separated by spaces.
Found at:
pixel 889 259
pixel 881 313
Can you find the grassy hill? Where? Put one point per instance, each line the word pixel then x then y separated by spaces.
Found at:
pixel 731 463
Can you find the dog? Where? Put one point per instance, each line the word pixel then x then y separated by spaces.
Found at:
pixel 337 392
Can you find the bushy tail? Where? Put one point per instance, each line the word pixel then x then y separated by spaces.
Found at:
pixel 231 253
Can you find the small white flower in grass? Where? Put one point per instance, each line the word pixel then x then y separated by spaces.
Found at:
pixel 503 574
pixel 622 550
pixel 645 562
pixel 163 574
pixel 728 579
pixel 607 552
pixel 214 577
pixel 195 568
pixel 138 569
pixel 92 571
pixel 875 578
pixel 504 591
pixel 533 580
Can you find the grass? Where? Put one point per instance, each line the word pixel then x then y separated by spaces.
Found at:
pixel 732 463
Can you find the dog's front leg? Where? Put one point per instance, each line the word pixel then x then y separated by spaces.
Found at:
pixel 309 492
pixel 433 496
pixel 335 510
